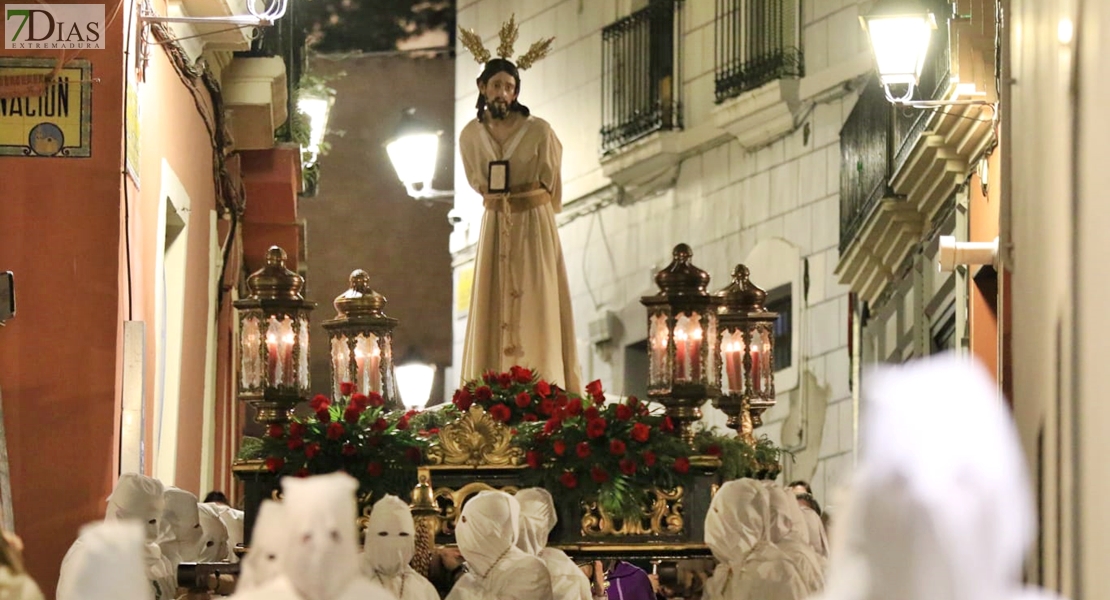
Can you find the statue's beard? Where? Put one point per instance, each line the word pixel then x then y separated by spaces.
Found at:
pixel 498 109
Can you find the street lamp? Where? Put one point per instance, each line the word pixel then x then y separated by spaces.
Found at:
pixel 899 31
pixel 415 379
pixel 413 150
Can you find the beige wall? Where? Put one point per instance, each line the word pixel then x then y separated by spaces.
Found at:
pixel 362 218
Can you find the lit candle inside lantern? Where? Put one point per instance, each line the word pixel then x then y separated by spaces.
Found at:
pixel 273 366
pixel 756 368
pixel 361 380
pixel 375 369
pixel 733 361
pixel 694 353
pixel 680 362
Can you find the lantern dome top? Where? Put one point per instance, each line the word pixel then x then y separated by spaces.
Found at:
pixel 680 278
pixel 360 300
pixel 742 295
pixel 274 281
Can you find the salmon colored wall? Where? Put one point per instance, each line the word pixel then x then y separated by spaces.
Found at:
pixel 172 129
pixel 983 227
pixel 60 234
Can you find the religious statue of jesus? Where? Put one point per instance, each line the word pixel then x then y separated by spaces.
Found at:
pixel 520 312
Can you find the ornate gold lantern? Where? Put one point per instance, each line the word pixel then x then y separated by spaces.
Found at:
pixel 682 341
pixel 273 340
pixel 361 341
pixel 746 340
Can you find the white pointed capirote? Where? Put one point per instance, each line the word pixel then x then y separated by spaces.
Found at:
pixel 537 518
pixel 389 548
pixel 109 565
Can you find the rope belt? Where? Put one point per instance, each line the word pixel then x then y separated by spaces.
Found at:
pixel 517 200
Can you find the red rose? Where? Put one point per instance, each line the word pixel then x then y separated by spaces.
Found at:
pixel 484 394
pixel 598 474
pixel 295 444
pixel 374 469
pixel 489 376
pixel 350 415
pixel 500 412
pixel 624 412
pixel 682 465
pixel 319 402
pixel 335 431
pixel 523 399
pixel 274 464
pixel 413 454
pixel 302 473
pixel 521 375
pixel 617 447
pixel 628 466
pixel 530 418
pixel 569 480
pixel 559 446
pixel 551 426
pixel 297 429
pixel 713 450
pixel 599 399
pixel 275 431
pixel 595 428
pixel 534 459
pixel 504 379
pixel 591 413
pixel 359 401
pixel 346 388
pixel 380 425
pixel 403 423
pixel 376 399
pixel 311 450
pixel 433 431
pixel 574 407
pixel 668 425
pixel 349 450
pixel 462 399
pixel 543 388
pixel 547 406
pixel 583 450
pixel 640 432
pixel 649 458
pixel 593 388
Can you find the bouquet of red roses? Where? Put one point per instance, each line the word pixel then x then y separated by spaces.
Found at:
pixel 516 396
pixel 354 434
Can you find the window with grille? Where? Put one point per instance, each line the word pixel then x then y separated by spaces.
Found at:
pixel 757 42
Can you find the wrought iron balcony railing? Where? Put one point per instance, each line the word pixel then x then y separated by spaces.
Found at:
pixel 758 41
pixel 641 79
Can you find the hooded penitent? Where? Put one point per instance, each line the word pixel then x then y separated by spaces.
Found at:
pixel 269 540
pixel 390 545
pixel 233 519
pixel 109 565
pixel 537 519
pixel 180 531
pixel 213 542
pixel 749 565
pixel 930 520
pixel 789 531
pixel 486 533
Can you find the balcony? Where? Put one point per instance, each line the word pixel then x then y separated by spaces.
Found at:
pixel 758 66
pixel 899 167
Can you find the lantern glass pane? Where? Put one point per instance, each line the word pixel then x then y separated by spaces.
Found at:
pixel 340 363
pixel 368 364
pixel 659 363
pixel 711 372
pixel 250 355
pixel 732 352
pixel 767 359
pixel 900 44
pixel 280 340
pixel 302 352
pixel 758 355
pixel 688 340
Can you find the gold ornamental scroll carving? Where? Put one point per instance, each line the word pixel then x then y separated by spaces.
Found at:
pixel 454 500
pixel 475 439
pixel 662 515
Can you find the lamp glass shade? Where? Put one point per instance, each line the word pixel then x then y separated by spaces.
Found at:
pixel 414 383
pixel 900 44
pixel 414 158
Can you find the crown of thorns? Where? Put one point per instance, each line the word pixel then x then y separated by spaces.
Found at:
pixel 508 35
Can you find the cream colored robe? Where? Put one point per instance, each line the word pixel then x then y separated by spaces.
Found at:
pixel 520 312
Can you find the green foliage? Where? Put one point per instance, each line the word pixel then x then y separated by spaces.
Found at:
pixel 251 448
pixel 372 25
pixel 738 459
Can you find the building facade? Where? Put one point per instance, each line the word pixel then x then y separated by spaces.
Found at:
pixel 710 123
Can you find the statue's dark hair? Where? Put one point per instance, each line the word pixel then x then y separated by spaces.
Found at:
pixel 493 67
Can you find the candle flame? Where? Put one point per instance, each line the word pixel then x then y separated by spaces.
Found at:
pixel 696 334
pixel 680 335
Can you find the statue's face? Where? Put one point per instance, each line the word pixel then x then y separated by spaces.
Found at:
pixel 499 92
